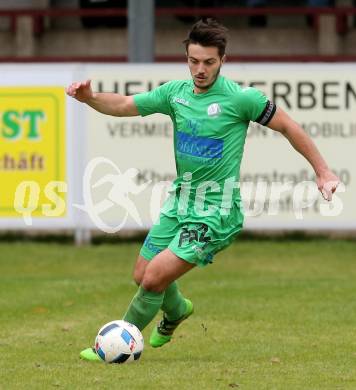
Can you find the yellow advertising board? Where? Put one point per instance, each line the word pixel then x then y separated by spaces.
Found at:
pixel 32 150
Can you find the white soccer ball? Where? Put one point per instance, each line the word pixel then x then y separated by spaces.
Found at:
pixel 119 342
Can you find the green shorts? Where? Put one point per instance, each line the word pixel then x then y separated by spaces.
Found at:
pixel 191 239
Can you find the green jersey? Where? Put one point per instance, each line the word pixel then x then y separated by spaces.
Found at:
pixel 209 131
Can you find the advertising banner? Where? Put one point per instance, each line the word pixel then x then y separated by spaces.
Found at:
pixel 276 182
pixel 64 165
pixel 35 150
pixel 32 148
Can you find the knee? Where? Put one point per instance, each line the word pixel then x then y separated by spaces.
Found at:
pixel 152 283
pixel 139 270
pixel 137 277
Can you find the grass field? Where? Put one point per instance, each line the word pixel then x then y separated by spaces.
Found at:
pixel 269 315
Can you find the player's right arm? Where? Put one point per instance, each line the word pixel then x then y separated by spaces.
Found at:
pixel 106 103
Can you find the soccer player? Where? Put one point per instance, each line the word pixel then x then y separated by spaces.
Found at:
pixel 210 114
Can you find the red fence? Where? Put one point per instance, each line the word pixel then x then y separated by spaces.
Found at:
pixel 183 11
pixel 340 14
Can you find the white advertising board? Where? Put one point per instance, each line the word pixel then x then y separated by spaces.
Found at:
pixel 321 97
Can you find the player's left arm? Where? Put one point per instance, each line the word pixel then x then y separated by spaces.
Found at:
pixel 326 180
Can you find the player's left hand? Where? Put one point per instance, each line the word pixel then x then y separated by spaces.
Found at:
pixel 327 183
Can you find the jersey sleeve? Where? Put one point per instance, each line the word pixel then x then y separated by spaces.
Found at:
pixel 255 106
pixel 155 101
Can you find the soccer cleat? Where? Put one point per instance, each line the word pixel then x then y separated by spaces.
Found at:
pixel 163 332
pixel 89 354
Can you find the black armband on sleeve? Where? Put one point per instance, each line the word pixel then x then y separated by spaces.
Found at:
pixel 267 114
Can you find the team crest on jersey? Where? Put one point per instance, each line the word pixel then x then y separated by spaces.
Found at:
pixel 214 110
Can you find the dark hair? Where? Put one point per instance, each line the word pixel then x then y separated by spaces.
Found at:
pixel 208 32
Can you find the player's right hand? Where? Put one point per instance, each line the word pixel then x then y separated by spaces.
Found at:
pixel 80 90
pixel 327 183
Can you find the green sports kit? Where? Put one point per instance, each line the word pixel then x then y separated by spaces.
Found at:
pixel 203 212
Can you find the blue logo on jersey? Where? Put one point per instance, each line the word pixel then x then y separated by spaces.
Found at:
pixel 199 146
pixel 194 125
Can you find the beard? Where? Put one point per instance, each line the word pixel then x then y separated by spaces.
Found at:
pixel 206 87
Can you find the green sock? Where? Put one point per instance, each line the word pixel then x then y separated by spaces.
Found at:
pixel 173 303
pixel 143 307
